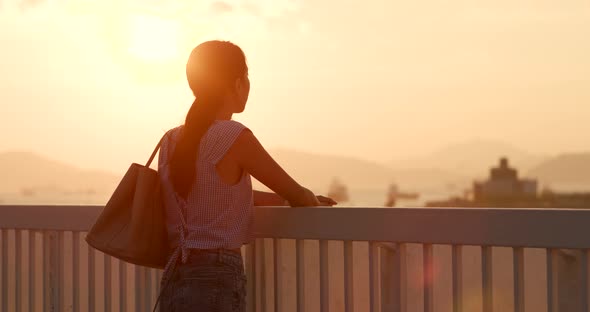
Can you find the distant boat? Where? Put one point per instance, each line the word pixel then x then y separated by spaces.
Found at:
pixel 394 194
pixel 338 191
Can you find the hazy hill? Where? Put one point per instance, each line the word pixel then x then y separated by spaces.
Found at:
pixel 33 175
pixel 317 171
pixel 32 178
pixel 568 172
pixel 472 159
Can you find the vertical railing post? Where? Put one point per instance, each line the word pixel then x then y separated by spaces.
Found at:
pixel 401 270
pixel 486 279
pixel 107 282
pixel 518 268
pixel 139 286
pixel 348 277
pixel 428 275
pixel 4 272
pixel 45 271
pixel 552 289
pixel 278 274
pixel 61 269
pixel 393 277
pixel 300 264
pixel 569 280
pixel 53 258
pixel 76 271
pixel 374 272
pixel 18 269
pixel 250 264
pixel 122 286
pixel 457 271
pixel 263 268
pixel 324 277
pixel 147 288
pixel 387 278
pixel 584 275
pixel 91 279
pixel 32 270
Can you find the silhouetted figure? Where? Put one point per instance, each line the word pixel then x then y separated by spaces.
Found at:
pixel 205 167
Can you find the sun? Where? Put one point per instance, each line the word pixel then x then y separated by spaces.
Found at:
pixel 153 39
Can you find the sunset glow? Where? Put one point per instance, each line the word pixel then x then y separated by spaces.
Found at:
pixel 153 39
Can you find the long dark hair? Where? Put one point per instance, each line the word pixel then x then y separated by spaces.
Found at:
pixel 212 69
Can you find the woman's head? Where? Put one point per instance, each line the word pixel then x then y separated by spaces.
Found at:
pixel 219 69
pixel 218 76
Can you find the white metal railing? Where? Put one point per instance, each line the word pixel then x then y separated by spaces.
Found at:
pixel 47 265
pixel 326 259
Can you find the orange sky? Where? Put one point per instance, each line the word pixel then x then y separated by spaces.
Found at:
pixel 96 82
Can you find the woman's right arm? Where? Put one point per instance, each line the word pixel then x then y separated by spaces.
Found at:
pixel 252 157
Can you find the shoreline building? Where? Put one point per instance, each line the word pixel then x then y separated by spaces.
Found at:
pixel 504 189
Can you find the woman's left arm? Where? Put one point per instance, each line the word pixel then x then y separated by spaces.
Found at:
pixel 268 199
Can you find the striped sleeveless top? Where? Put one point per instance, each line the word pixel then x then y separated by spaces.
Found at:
pixel 214 214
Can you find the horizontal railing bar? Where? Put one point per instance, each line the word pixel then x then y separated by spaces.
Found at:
pixel 454 226
pixel 53 218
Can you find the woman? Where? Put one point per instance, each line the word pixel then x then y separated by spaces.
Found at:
pixel 205 167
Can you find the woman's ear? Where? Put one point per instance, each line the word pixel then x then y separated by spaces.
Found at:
pixel 238 85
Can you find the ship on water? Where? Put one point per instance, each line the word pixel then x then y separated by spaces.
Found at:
pixel 394 193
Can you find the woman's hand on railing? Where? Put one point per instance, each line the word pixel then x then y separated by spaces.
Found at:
pixel 326 201
pixel 309 199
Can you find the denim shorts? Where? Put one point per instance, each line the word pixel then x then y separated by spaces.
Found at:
pixel 210 281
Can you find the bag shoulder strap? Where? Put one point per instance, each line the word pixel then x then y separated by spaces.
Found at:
pixel 149 162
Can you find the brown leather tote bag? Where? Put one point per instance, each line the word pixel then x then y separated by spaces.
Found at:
pixel 132 225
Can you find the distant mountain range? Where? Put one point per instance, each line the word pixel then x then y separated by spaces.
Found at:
pixel 317 171
pixel 35 178
pixel 472 158
pixel 568 172
pixel 449 171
